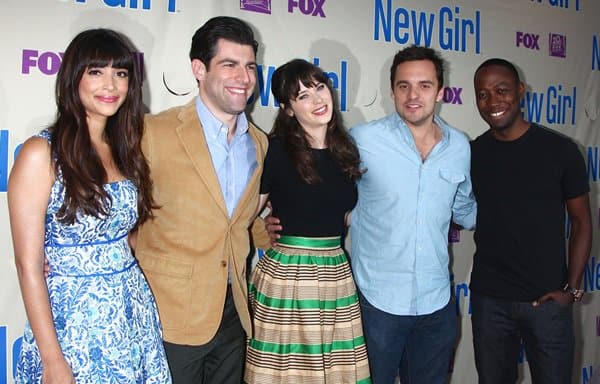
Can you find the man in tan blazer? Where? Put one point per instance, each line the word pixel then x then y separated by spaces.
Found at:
pixel 206 161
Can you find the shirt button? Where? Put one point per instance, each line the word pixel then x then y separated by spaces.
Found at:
pixel 223 263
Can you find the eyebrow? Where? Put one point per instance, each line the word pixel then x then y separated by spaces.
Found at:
pixel 419 82
pixel 303 92
pixel 499 84
pixel 229 60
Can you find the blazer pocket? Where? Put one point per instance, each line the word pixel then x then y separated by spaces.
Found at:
pixel 170 281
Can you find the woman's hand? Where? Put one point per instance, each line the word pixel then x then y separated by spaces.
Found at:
pixel 57 372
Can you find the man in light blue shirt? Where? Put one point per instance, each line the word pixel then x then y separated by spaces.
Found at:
pixel 417 182
pixel 232 151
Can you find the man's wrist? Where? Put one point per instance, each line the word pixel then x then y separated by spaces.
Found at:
pixel 576 294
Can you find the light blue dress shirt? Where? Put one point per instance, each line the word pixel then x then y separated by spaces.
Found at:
pixel 233 162
pixel 399 228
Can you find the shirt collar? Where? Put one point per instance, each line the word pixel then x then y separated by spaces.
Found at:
pixel 399 122
pixel 214 126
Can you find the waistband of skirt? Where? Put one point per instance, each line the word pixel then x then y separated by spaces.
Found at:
pixel 310 242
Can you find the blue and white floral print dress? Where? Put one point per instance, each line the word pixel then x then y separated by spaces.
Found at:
pixel 104 312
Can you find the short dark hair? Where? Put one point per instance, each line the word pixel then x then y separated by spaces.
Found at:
pixel 414 53
pixel 204 41
pixel 500 63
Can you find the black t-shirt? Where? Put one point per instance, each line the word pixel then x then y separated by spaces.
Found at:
pixel 521 187
pixel 307 210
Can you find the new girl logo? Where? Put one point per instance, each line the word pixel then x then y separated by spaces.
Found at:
pixel 4 157
pixel 171 5
pixel 8 350
pixel 448 27
pixel 595 53
pixel 564 4
pixel 591 276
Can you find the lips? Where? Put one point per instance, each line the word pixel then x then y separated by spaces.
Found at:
pixel 412 106
pixel 108 99
pixel 321 111
pixel 497 114
pixel 237 91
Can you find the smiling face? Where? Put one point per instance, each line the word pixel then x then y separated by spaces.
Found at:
pixel 102 91
pixel 313 107
pixel 498 94
pixel 415 91
pixel 228 81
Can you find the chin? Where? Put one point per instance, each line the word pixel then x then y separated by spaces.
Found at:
pixel 498 128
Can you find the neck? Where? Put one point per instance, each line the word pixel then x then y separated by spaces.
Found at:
pixel 426 137
pixel 231 131
pixel 511 133
pixel 96 129
pixel 316 138
pixel 228 119
pixel 425 131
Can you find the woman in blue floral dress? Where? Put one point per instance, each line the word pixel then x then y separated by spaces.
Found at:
pixel 75 193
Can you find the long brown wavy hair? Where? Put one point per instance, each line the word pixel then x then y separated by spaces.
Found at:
pixel 285 85
pixel 75 157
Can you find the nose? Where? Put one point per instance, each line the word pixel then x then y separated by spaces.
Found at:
pixel 412 92
pixel 109 81
pixel 244 75
pixel 493 98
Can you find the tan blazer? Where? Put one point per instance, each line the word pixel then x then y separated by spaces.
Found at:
pixel 187 249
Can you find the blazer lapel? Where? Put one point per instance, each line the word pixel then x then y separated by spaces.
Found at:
pixel 255 178
pixel 191 135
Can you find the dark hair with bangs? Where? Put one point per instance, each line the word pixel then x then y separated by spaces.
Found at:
pixel 285 85
pixel 76 160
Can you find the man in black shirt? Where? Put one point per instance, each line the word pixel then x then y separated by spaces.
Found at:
pixel 523 176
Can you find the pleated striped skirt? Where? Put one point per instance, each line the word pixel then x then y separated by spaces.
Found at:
pixel 306 316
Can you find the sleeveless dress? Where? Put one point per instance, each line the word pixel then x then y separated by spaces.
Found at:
pixel 306 316
pixel 104 313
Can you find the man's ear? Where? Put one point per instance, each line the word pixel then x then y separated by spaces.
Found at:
pixel 440 94
pixel 198 69
pixel 521 90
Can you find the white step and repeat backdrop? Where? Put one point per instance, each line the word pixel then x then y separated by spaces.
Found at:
pixel 556 44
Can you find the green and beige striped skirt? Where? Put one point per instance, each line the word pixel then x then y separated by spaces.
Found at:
pixel 306 316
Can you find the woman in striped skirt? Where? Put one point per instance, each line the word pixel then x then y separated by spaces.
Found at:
pixel 307 323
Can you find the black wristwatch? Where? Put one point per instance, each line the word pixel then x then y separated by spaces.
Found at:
pixel 577 294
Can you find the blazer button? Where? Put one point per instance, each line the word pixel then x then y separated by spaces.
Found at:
pixel 223 263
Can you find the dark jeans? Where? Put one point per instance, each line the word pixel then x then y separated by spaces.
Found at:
pixel 220 361
pixel 418 347
pixel 546 331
